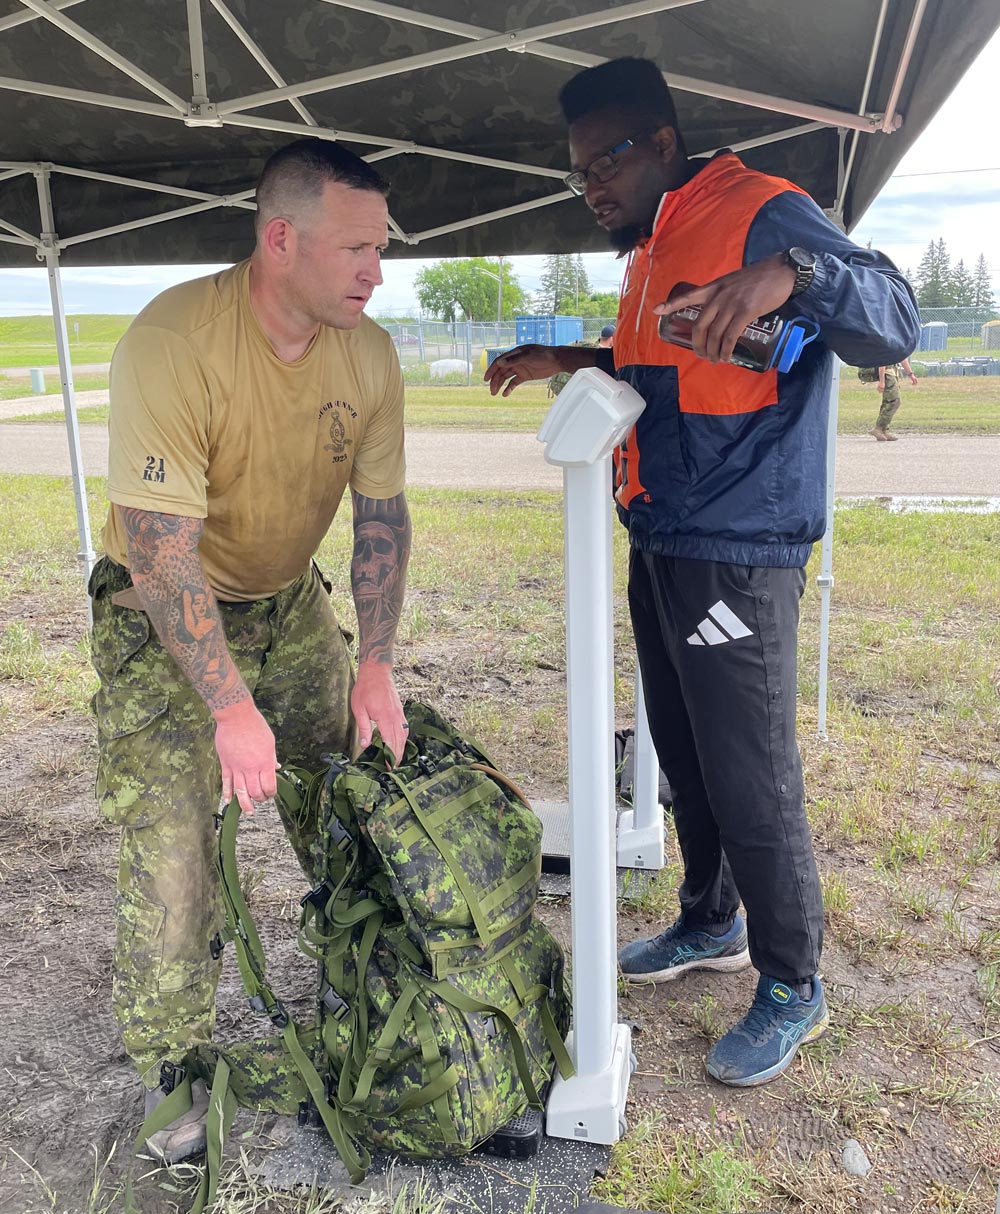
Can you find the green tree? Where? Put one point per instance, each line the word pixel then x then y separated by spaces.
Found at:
pixel 565 285
pixel 599 303
pixel 982 286
pixel 962 286
pixel 933 278
pixel 468 289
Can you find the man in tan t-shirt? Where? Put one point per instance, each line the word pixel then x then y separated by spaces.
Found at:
pixel 242 407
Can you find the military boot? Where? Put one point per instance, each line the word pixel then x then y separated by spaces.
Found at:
pixel 183 1138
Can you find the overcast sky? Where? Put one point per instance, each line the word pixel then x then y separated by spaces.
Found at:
pixel 947 185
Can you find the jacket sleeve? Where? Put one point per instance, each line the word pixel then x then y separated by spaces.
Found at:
pixel 865 308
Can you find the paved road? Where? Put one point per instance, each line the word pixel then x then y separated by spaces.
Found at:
pixel 919 464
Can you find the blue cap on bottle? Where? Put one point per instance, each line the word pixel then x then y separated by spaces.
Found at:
pixel 796 335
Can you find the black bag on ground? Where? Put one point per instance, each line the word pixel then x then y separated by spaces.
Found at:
pixel 625 769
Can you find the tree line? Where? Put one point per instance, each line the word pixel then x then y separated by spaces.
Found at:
pixel 483 288
pixel 939 284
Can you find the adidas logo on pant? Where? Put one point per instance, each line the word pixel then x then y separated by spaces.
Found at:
pixel 720 625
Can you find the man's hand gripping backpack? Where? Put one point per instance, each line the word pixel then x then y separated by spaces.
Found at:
pixel 441 1005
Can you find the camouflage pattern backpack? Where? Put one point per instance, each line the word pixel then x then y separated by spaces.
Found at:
pixel 441 1008
pixel 868 375
pixel 559 381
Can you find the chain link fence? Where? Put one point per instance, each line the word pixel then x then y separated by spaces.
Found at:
pixel 457 352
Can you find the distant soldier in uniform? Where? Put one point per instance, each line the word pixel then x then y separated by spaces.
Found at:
pixel 243 405
pixel 888 385
pixel 604 342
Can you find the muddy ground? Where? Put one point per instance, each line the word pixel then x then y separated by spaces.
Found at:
pixel 909 1068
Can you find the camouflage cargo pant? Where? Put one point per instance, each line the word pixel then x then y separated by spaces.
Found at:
pixel 159 779
pixel 890 399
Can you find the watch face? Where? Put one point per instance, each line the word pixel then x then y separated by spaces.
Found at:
pixel 800 257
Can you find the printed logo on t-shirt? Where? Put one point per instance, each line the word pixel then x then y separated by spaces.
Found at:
pixel 339 442
pixel 154 470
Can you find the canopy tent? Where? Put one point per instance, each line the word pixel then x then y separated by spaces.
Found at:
pixel 149 155
pixel 135 129
pixel 148 110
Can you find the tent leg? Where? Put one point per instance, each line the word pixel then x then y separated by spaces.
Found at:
pixel 51 252
pixel 825 579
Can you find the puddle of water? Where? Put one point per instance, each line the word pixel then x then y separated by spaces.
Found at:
pixel 921 504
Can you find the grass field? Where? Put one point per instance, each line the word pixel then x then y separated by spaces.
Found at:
pixel 29 341
pixel 937 406
pixel 903 799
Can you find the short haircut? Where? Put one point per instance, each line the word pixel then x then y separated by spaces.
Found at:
pixel 636 85
pixel 294 177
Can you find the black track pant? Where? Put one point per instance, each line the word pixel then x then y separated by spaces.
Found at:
pixel 717 650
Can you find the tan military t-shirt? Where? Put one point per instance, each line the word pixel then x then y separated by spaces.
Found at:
pixel 207 422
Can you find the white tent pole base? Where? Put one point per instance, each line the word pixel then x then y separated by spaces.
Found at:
pixel 640 829
pixel 591 1108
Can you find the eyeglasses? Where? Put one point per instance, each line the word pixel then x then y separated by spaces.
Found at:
pixel 602 169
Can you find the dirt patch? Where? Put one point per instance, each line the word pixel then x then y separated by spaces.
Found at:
pixel 909 1068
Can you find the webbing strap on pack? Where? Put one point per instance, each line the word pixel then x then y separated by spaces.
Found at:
pixel 250 955
pixel 482 923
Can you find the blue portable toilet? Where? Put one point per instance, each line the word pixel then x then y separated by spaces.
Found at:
pixel 934 335
pixel 550 330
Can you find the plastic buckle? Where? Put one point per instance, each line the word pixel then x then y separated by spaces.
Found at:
pixel 216 945
pixel 170 1076
pixel 334 769
pixel 340 834
pixel 426 765
pixel 337 1006
pixel 317 897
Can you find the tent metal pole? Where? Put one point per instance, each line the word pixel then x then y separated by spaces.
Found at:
pixel 791 132
pixel 904 62
pixel 825 579
pixel 20 233
pixel 196 44
pixel 461 29
pixel 866 89
pixel 503 41
pixel 527 40
pixel 259 123
pixel 198 207
pixel 260 57
pixel 85 38
pixel 50 251
pixel 85 97
pixel 8 23
pixel 415 237
pixel 138 184
pixel 29 244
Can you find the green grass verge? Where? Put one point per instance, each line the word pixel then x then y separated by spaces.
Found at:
pixel 935 406
pixel 14 389
pixel 29 341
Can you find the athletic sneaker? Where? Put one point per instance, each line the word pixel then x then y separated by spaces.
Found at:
pixel 768 1037
pixel 185 1137
pixel 681 948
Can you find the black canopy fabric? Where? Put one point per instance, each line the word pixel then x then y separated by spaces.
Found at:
pixel 119 88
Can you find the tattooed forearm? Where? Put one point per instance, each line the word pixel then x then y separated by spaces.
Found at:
pixel 378 572
pixel 167 573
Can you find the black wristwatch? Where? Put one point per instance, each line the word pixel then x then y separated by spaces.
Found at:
pixel 804 265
